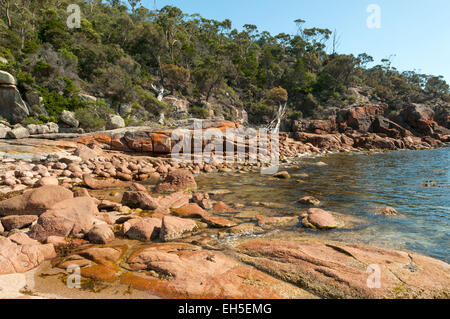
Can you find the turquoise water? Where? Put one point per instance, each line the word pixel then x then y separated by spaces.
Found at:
pixel 356 185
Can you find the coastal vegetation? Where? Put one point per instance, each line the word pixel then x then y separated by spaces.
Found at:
pixel 126 54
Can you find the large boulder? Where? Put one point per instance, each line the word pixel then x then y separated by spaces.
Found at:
pixel 420 117
pixel 6 78
pixel 143 229
pixel 315 126
pixel 333 270
pixel 177 180
pixel 359 118
pixel 19 254
pixel 391 129
pixel 19 133
pixel 35 201
pixel 115 122
pixel 17 221
pixel 12 107
pixel 72 217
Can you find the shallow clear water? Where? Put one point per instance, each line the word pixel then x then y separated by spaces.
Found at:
pixel 356 185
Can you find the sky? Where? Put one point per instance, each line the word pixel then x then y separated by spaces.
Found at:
pixel 414 34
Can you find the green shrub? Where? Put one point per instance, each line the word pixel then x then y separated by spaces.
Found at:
pixel 199 112
pixel 56 103
pixel 93 116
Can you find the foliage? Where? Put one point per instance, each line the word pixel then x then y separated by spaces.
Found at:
pixel 120 51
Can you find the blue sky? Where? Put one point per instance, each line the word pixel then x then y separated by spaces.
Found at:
pixel 417 32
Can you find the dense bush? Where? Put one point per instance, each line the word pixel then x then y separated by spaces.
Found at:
pixel 125 54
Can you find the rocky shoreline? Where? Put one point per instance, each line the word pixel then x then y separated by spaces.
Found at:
pixel 117 206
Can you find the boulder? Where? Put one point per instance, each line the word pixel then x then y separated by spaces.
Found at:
pixel 140 200
pixel 100 234
pixel 221 207
pixel 387 211
pixel 343 271
pixel 68 118
pixel 174 228
pixel 115 122
pixel 13 108
pixel 47 181
pixel 359 118
pixel 7 78
pixel 98 254
pixel 17 221
pixel 37 129
pixel 144 229
pixel 18 133
pixel 391 129
pixel 35 201
pixel 177 180
pixel 419 117
pixel 282 175
pixel 71 217
pixel 53 127
pixel 197 273
pixel 319 219
pixel 4 131
pixel 86 153
pixel 22 254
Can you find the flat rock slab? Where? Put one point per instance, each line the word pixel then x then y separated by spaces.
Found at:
pixel 195 273
pixel 334 270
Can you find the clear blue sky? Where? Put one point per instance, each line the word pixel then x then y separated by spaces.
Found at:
pixel 416 31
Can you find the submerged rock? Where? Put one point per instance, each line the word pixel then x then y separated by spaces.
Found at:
pixel 177 180
pixel 309 200
pixel 387 211
pixel 282 175
pixel 319 219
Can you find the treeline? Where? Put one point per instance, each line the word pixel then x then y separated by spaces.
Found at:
pixel 125 53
